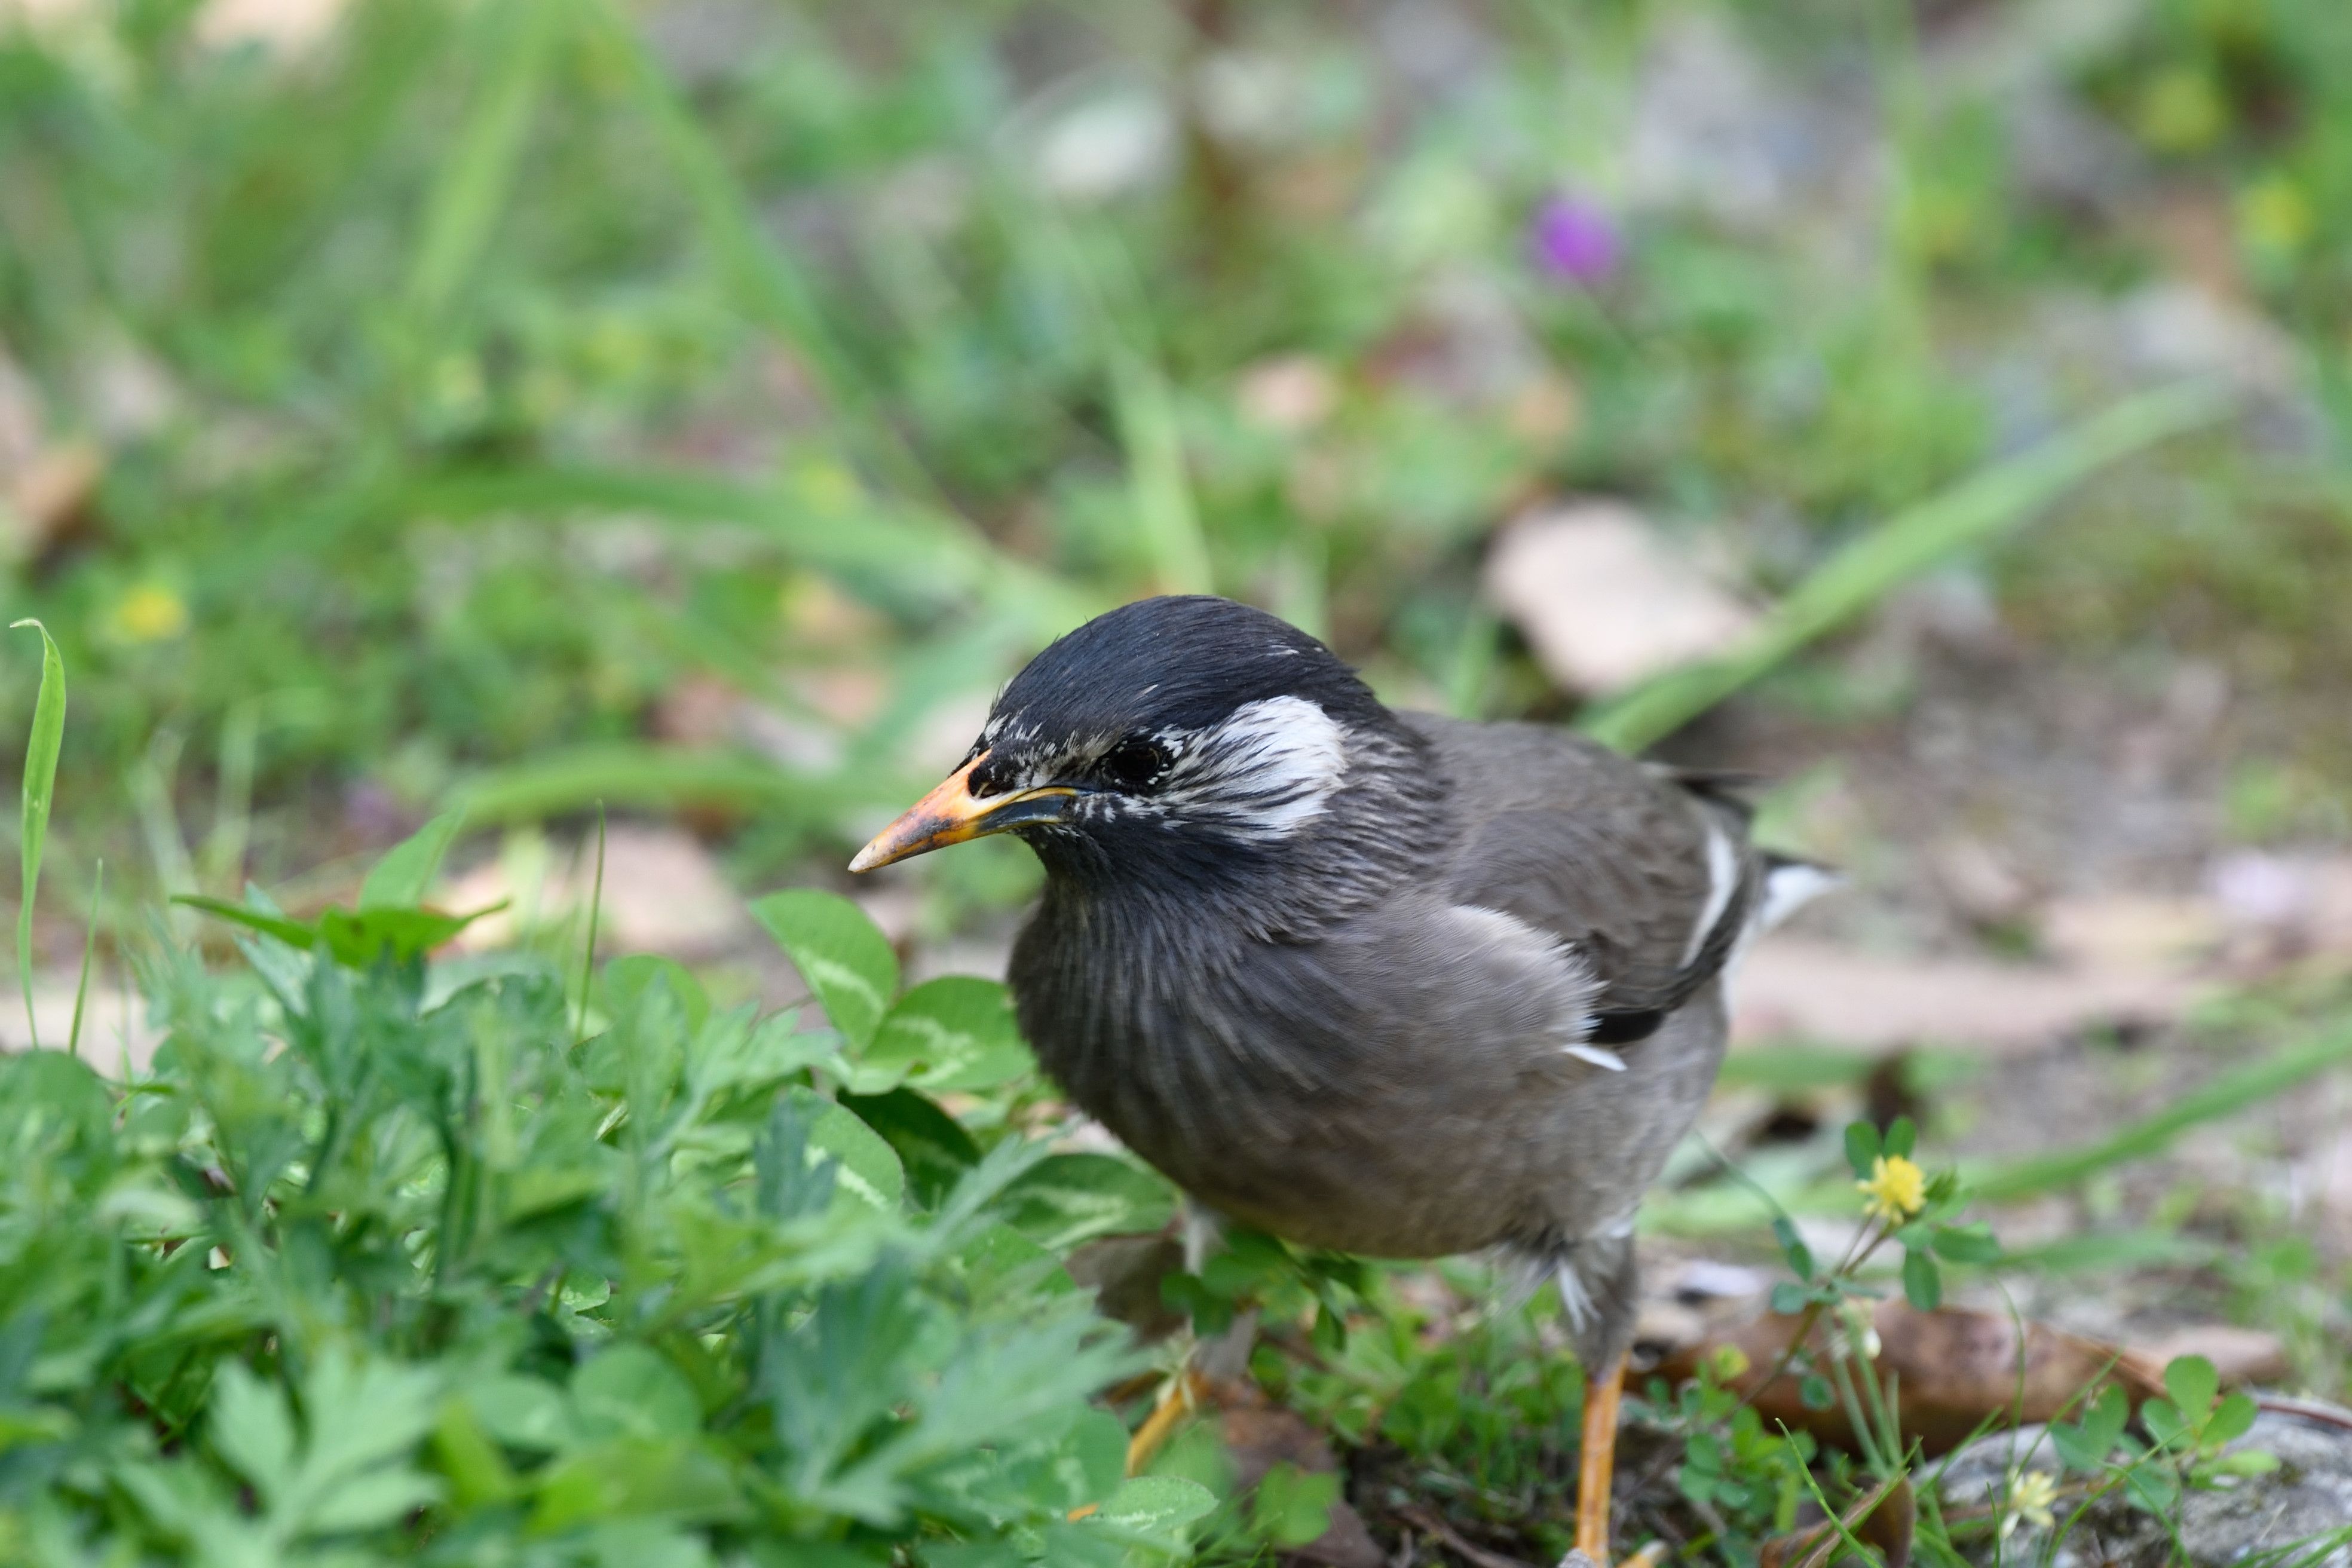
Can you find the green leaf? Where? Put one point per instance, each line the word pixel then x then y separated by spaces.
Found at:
pixel 400 879
pixel 1156 1507
pixel 522 1412
pixel 2085 1445
pixel 955 1033
pixel 1065 1199
pixel 253 1429
pixel 843 956
pixel 1923 1282
pixel 1814 1393
pixel 630 1390
pixel 682 1480
pixel 2192 1383
pixel 870 1168
pixel 1966 1243
pixel 2244 1462
pixel 293 933
pixel 1861 1147
pixel 1788 1298
pixel 1293 1506
pixel 2163 1421
pixel 932 1145
pixel 2152 1488
pixel 41 749
pixel 2079 1448
pixel 1902 1137
pixel 401 934
pixel 357 939
pixel 2231 1420
pixel 630 981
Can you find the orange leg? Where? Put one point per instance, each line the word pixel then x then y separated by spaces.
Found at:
pixel 1597 1461
pixel 1182 1396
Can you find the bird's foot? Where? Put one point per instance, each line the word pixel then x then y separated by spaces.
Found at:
pixel 1649 1556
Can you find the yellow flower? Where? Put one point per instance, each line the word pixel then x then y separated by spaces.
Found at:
pixel 2031 1499
pixel 1897 1189
pixel 150 612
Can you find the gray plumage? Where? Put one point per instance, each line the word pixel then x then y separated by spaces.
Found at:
pixel 1388 984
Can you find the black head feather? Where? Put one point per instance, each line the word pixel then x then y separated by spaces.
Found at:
pixel 1181 662
pixel 1210 743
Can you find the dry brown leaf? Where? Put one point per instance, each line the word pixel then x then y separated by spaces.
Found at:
pixel 1959 1370
pixel 662 893
pixel 1886 1516
pixel 1604 600
pixel 2239 1355
pixel 1794 986
pixel 48 496
pixel 1259 1434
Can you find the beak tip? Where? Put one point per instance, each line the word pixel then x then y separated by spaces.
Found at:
pixel 865 859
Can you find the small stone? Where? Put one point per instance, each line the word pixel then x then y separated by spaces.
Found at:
pixel 2308 1496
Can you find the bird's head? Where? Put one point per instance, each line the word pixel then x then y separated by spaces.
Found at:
pixel 1187 735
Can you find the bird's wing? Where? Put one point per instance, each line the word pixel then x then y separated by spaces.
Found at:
pixel 1645 872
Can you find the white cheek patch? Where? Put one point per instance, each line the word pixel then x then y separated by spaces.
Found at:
pixel 1270 767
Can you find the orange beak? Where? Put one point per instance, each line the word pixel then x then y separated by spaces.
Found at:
pixel 952 813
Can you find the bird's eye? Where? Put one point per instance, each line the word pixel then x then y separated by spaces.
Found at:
pixel 1135 764
pixel 993 776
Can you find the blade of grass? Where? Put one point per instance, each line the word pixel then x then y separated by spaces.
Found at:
pixel 595 908
pixel 222 860
pixel 1472 666
pixel 473 184
pixel 917 553
pixel 767 283
pixel 159 823
pixel 1158 489
pixel 1705 1210
pixel 1978 509
pixel 40 783
pixel 89 950
pixel 2233 1091
pixel 629 773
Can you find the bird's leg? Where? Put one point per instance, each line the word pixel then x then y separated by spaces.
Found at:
pixel 1597 1459
pixel 1223 1359
pixel 1177 1395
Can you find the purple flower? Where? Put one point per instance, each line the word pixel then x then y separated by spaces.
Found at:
pixel 1575 239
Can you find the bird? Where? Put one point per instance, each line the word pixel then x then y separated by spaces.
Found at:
pixel 1380 981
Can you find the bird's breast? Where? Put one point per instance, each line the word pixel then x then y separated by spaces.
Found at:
pixel 1267 1102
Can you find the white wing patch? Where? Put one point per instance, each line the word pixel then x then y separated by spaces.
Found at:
pixel 1722 881
pixel 1580 986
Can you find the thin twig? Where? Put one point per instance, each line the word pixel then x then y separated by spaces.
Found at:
pixel 1445 1533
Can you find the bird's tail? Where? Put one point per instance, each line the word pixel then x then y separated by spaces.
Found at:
pixel 1789 884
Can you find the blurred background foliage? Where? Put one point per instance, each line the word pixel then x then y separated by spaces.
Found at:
pixel 701 406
